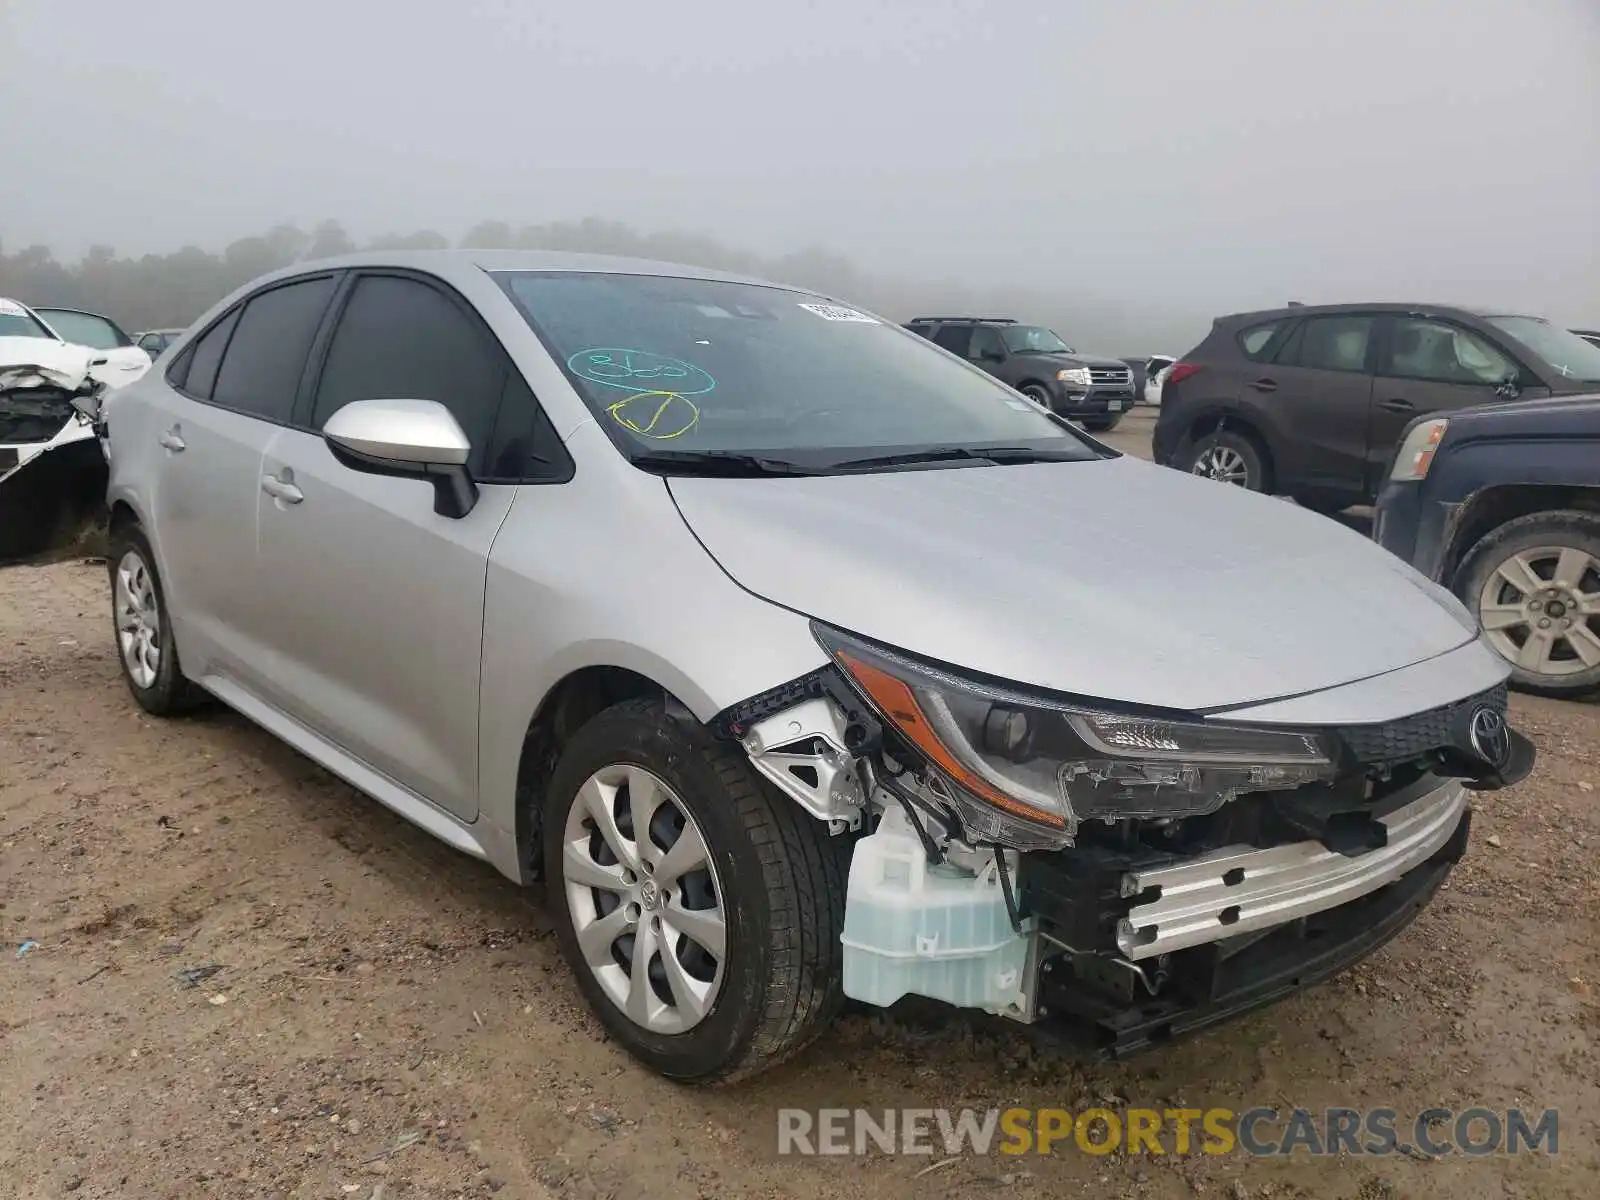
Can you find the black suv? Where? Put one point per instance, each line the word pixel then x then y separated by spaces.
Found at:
pixel 1032 359
pixel 1501 504
pixel 1310 401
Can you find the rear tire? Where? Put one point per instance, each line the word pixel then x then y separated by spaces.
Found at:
pixel 1544 567
pixel 1227 456
pixel 771 873
pixel 141 627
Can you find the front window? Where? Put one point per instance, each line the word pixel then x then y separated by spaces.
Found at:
pixel 1564 350
pixel 85 329
pixel 1033 339
pixel 17 321
pixel 719 368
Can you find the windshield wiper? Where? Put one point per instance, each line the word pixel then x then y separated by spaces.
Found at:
pixel 723 463
pixel 996 455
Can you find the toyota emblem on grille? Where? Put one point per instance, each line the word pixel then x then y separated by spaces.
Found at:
pixel 1489 737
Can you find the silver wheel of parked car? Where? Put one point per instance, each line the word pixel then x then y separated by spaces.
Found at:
pixel 644 898
pixel 1224 464
pixel 1539 608
pixel 1534 584
pixel 138 619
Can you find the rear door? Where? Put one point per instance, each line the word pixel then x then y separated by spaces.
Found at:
pixel 1318 391
pixel 375 601
pixel 1430 364
pixel 229 393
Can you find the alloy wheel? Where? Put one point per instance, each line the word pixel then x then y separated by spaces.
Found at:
pixel 138 620
pixel 1541 610
pixel 645 899
pixel 1224 464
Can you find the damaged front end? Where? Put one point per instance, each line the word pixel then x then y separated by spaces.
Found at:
pixel 1120 878
pixel 52 459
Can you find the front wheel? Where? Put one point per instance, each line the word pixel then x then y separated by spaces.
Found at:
pixel 1039 394
pixel 700 911
pixel 1227 457
pixel 1534 584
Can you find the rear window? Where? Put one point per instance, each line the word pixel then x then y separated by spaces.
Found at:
pixel 1255 340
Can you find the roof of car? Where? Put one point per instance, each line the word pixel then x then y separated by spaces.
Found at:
pixel 1385 306
pixel 448 262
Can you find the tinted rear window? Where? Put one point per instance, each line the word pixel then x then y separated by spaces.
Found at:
pixel 198 374
pixel 1255 340
pixel 261 372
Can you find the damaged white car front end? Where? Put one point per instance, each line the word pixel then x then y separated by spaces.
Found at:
pixel 52 465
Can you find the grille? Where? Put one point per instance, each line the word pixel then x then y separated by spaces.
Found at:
pixel 1111 377
pixel 1413 736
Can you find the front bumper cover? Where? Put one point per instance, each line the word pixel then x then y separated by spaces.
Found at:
pixel 1110 1012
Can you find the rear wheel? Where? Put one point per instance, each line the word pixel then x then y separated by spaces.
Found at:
pixel 1534 584
pixel 143 628
pixel 700 911
pixel 1227 456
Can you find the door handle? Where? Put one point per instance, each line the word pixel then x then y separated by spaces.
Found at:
pixel 1265 385
pixel 1397 406
pixel 280 489
pixel 171 441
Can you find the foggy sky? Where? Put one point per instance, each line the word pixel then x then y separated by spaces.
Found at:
pixel 1180 156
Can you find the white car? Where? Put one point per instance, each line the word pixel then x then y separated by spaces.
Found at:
pixel 1155 374
pixel 117 361
pixel 51 466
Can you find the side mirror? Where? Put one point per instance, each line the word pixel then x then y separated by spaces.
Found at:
pixel 993 356
pixel 411 439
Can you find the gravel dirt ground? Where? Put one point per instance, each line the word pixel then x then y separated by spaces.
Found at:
pixel 383 1018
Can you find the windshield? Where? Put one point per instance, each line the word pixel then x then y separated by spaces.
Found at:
pixel 85 329
pixel 17 321
pixel 1564 350
pixel 703 366
pixel 1022 339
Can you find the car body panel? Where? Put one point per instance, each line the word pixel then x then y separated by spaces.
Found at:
pixel 1143 604
pixel 380 657
pixel 1544 444
pixel 115 366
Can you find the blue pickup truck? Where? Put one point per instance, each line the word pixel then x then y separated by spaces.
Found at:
pixel 1501 504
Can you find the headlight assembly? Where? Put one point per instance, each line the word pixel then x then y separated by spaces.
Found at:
pixel 1075 376
pixel 1028 771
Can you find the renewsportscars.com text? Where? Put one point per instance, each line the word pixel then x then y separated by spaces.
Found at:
pixel 1254 1131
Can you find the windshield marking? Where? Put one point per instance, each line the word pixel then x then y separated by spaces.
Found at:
pixel 837 312
pixel 611 366
pixel 676 420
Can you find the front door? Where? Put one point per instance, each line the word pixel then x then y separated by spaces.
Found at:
pixel 376 601
pixel 1431 365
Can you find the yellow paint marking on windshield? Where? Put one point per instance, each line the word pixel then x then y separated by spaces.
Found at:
pixel 674 416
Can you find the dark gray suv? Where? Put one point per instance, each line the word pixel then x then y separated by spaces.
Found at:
pixel 1310 402
pixel 1039 364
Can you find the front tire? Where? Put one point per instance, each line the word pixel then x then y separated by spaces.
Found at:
pixel 142 627
pixel 661 840
pixel 1102 424
pixel 1227 457
pixel 1534 585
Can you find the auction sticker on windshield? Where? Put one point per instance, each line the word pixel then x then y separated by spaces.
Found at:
pixel 835 312
pixel 11 308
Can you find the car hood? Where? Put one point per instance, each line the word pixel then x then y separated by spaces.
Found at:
pixel 1115 578
pixel 29 362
